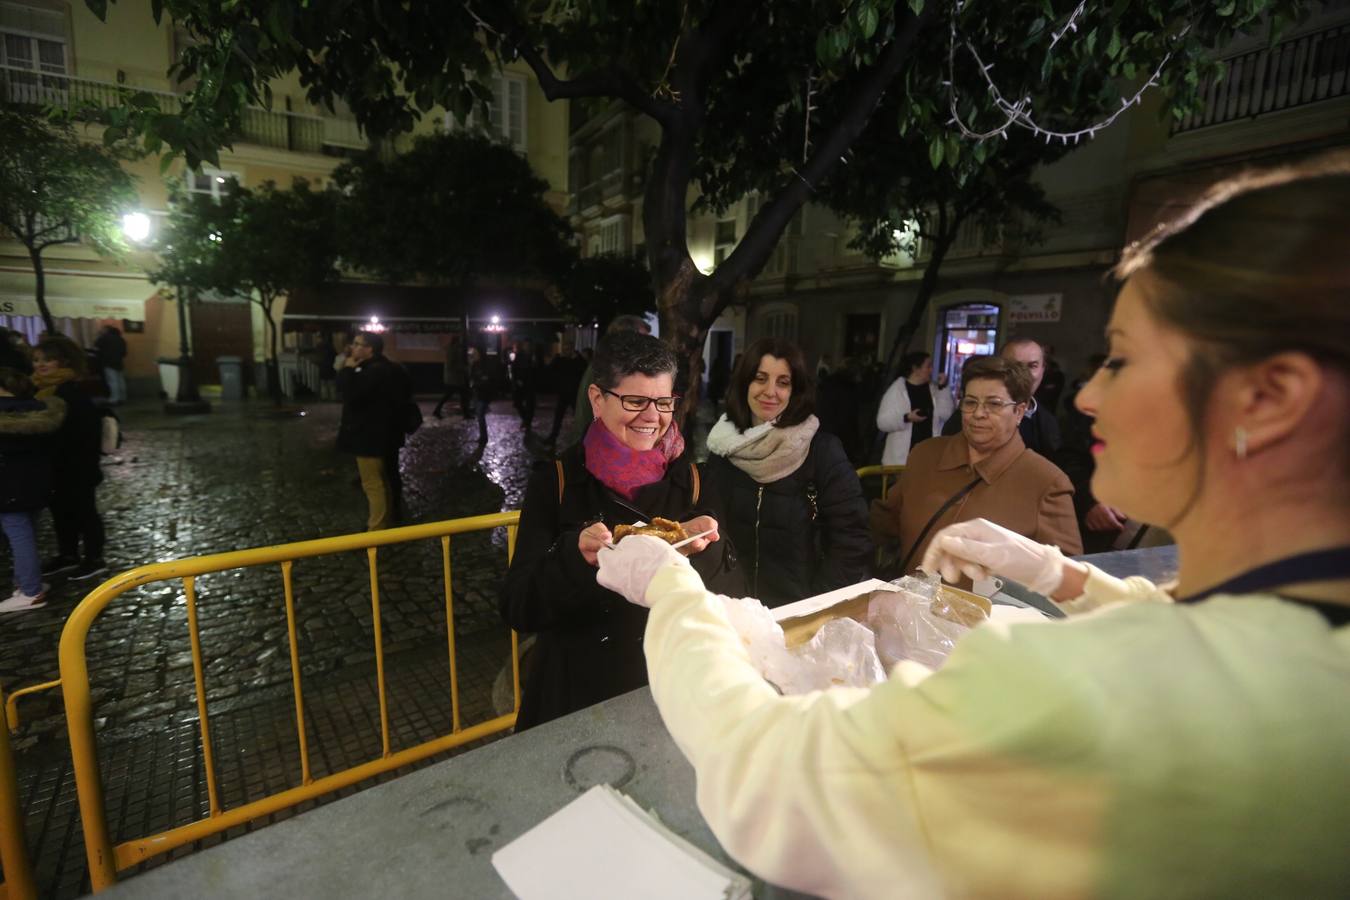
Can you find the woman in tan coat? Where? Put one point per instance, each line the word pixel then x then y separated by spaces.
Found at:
pixel 983 472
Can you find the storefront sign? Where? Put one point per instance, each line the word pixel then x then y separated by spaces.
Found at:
pixel 1035 307
pixel 75 308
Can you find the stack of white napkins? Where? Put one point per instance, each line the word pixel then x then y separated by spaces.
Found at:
pixel 602 844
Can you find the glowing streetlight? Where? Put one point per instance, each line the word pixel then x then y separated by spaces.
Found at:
pixel 136 226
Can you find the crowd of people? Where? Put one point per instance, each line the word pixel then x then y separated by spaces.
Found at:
pixel 51 442
pixel 1186 739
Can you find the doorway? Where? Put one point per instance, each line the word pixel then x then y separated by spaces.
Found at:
pixel 970 329
pixel 862 336
pixel 220 328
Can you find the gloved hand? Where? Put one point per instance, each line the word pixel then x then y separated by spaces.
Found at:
pixel 633 563
pixel 979 548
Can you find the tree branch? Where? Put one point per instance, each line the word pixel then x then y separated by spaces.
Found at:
pixel 612 82
pixel 707 44
pixel 772 220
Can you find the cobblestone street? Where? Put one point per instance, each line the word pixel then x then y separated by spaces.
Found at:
pixel 241 477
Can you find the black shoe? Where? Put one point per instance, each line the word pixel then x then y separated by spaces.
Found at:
pixel 91 568
pixel 58 565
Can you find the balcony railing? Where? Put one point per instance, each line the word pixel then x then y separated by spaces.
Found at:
pixel 268 128
pixel 1293 73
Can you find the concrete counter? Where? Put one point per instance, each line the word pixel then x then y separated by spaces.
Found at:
pixel 432 833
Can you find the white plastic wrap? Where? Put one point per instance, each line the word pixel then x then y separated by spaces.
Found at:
pixel 916 622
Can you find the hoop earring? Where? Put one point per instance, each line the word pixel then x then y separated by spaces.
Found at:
pixel 1240 442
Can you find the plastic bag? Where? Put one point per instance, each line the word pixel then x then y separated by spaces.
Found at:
pixel 917 622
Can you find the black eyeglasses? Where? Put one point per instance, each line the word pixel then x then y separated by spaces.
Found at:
pixel 637 402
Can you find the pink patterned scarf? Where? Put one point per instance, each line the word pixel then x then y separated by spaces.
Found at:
pixel 623 469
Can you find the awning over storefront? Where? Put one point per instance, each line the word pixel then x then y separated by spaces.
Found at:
pixel 76 296
pixel 403 305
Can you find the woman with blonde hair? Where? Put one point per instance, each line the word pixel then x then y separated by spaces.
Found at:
pixel 1190 743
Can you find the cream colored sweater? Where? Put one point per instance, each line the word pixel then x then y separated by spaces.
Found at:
pixel 1145 749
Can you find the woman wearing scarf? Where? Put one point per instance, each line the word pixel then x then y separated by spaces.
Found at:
pixel 631 465
pixel 790 500
pixel 58 365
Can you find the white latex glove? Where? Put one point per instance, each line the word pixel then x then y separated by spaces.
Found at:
pixel 633 563
pixel 979 548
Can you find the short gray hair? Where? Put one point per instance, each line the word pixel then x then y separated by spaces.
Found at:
pixel 625 353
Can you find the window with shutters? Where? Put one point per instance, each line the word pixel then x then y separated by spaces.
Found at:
pixel 724 240
pixel 34 54
pixel 213 183
pixel 614 235
pixel 505 112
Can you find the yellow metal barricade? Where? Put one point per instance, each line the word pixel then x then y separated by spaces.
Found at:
pixel 886 473
pixel 18 883
pixel 106 860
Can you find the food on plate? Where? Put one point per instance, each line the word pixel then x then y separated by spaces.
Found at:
pixel 665 529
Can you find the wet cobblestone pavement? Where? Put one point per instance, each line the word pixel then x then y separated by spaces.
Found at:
pixel 242 477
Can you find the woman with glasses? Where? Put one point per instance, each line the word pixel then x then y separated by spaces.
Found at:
pixel 983 472
pixel 1191 743
pixel 789 498
pixel 630 466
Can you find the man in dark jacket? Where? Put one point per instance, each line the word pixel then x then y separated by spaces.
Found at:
pixel 375 391
pixel 111 349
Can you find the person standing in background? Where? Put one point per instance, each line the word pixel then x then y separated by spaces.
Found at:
pixel 455 375
pixel 25 481
pixel 373 391
pixel 913 408
pixel 58 367
pixel 111 349
pixel 480 385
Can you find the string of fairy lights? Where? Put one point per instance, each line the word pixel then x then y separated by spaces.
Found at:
pixel 1018 113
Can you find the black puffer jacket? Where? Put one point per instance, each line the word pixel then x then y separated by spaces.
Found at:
pixel 589 639
pixel 374 395
pixel 798 536
pixel 25 451
pixel 77 446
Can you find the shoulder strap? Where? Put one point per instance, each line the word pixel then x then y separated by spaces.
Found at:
pixel 562 480
pixel 697 482
pixel 951 501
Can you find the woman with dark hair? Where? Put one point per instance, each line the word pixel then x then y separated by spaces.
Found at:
pixel 1191 743
pixel 787 494
pixel 25 481
pixel 630 466
pixel 913 409
pixel 983 472
pixel 58 366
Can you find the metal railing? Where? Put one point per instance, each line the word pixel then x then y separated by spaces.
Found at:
pixel 1293 73
pixel 18 883
pixel 105 859
pixel 285 130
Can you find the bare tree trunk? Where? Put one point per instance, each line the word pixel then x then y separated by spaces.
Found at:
pixel 927 287
pixel 273 368
pixel 40 290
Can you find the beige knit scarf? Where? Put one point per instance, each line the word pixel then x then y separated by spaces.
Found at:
pixel 764 452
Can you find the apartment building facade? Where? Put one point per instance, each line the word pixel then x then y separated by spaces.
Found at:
pixel 54 52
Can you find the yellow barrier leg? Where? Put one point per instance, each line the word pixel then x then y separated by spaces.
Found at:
pixel 199 676
pixel 305 777
pixel 18 884
pixel 379 649
pixel 450 634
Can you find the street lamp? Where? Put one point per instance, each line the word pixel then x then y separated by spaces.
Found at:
pixel 136 226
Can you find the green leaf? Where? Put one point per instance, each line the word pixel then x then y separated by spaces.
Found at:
pixel 1227 9
pixel 1113 46
pixel 867 20
pixel 936 149
pixel 916 6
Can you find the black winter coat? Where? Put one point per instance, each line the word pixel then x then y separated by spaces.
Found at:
pixel 25 448
pixel 77 446
pixel 373 396
pixel 589 639
pixel 800 535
